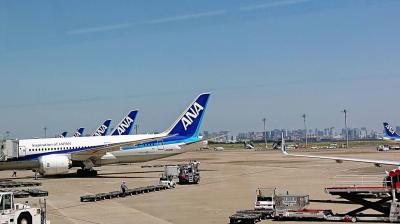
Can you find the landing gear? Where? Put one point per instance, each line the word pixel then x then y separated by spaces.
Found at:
pixel 86 173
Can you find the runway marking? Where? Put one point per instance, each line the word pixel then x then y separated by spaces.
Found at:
pixel 62 214
pixel 143 213
pixel 73 220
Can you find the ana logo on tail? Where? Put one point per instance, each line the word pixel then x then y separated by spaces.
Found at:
pixel 101 130
pixel 191 114
pixel 390 129
pixel 79 132
pixel 124 125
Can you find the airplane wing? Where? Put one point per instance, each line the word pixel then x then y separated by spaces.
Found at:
pixel 188 147
pixel 98 152
pixel 341 159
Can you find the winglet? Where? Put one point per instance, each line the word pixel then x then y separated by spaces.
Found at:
pixel 283 146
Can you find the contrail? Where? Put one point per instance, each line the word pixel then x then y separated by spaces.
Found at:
pixel 153 21
pixel 272 4
pixel 99 29
pixel 188 16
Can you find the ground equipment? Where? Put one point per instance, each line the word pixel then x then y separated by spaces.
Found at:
pixel 15 213
pixel 189 173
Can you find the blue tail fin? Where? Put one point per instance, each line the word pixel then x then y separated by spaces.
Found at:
pixel 62 135
pixel 79 132
pixel 124 127
pixel 102 129
pixel 188 124
pixel 389 131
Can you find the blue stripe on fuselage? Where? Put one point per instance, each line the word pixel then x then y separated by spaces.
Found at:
pixel 167 141
pixel 38 155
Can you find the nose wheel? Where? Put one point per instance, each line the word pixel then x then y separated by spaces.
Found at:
pixel 86 173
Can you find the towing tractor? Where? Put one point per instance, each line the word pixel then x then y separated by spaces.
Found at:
pixel 15 213
pixel 189 173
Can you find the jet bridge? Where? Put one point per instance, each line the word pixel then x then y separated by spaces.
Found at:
pixel 9 149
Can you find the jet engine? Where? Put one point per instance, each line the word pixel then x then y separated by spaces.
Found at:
pixel 54 164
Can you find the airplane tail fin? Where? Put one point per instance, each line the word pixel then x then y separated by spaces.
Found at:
pixel 79 132
pixel 389 131
pixel 62 135
pixel 283 145
pixel 102 129
pixel 124 127
pixel 188 124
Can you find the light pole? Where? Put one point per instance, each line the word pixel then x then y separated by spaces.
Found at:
pixel 345 127
pixel 265 132
pixel 305 127
pixel 45 132
pixel 136 129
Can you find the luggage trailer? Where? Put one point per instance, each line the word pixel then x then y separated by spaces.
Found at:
pixel 384 200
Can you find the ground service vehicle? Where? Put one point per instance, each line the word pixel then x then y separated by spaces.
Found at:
pixel 189 173
pixel 15 213
pixel 265 199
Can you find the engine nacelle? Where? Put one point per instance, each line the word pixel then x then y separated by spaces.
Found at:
pixel 54 164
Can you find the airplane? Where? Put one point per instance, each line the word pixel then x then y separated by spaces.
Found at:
pixel 54 156
pixel 79 132
pixel 102 129
pixel 389 131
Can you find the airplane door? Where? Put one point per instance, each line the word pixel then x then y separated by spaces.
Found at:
pixel 161 145
pixel 22 151
pixel 107 144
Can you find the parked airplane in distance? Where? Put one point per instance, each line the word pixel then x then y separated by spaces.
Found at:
pixel 55 156
pixel 389 134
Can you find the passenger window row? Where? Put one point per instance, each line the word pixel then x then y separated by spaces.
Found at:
pixel 51 149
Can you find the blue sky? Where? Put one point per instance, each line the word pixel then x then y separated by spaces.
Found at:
pixel 65 64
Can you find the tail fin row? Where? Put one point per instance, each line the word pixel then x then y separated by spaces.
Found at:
pixel 188 124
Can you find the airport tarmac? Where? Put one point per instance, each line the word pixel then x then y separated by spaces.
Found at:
pixel 229 180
